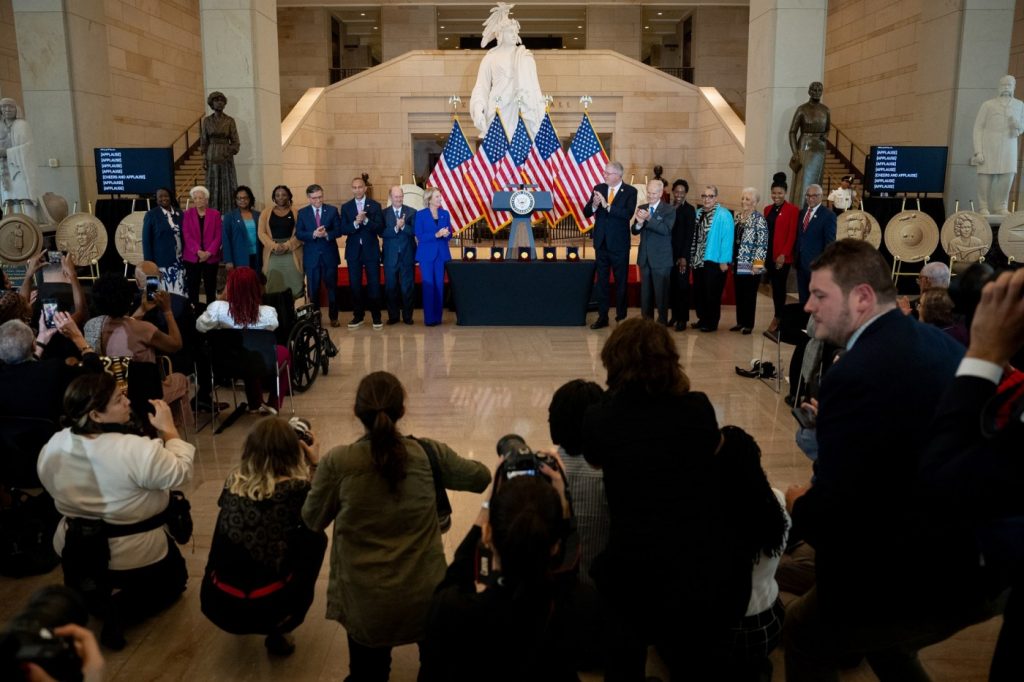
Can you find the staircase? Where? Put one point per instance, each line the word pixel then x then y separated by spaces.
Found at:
pixel 188 162
pixel 843 157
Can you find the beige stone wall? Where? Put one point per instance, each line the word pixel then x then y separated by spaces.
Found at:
pixel 156 70
pixel 304 51
pixel 10 76
pixel 871 69
pixel 720 52
pixel 1017 45
pixel 361 125
pixel 618 28
pixel 407 28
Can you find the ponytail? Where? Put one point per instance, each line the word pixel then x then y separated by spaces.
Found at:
pixel 387 450
pixel 380 402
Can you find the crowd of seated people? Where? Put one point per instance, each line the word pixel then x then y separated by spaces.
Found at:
pixel 914 522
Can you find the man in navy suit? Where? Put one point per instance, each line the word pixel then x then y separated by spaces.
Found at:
pixel 612 206
pixel 362 222
pixel 318 228
pixel 890 578
pixel 399 239
pixel 816 229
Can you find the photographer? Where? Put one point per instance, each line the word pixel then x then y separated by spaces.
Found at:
pixel 48 640
pixel 525 625
pixel 264 561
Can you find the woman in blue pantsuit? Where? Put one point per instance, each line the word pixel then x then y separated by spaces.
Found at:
pixel 433 232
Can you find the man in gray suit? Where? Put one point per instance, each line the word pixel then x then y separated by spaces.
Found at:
pixel 653 222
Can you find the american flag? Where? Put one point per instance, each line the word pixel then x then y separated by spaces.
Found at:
pixel 449 177
pixel 519 149
pixel 583 169
pixel 491 169
pixel 544 163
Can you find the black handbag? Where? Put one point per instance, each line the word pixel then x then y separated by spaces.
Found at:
pixel 178 517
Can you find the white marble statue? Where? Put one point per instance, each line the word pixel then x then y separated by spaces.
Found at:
pixel 507 79
pixel 17 169
pixel 996 129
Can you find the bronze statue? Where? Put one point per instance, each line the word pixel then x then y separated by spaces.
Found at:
pixel 218 141
pixel 807 140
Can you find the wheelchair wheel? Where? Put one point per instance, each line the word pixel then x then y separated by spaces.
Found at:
pixel 325 357
pixel 304 345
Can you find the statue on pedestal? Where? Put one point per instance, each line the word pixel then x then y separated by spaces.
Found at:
pixel 218 141
pixel 996 130
pixel 17 169
pixel 507 80
pixel 807 141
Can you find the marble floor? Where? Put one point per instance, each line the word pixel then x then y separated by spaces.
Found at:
pixel 467 386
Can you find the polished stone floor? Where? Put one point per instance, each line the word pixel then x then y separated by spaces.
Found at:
pixel 467 386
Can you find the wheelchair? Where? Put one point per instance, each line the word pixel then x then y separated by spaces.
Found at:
pixel 310 346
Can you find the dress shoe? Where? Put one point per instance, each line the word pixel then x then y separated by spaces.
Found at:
pixel 620 318
pixel 773 335
pixel 335 323
pixel 409 321
pixel 392 321
pixel 680 326
pixel 736 328
pixel 746 331
pixel 356 323
pixel 696 325
pixel 377 325
pixel 709 329
pixel 601 323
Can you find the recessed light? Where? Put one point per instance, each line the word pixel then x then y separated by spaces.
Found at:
pixel 362 14
pixel 575 37
pixel 579 27
pixel 446 39
pixel 374 28
pixel 442 27
pixel 647 27
pixel 659 14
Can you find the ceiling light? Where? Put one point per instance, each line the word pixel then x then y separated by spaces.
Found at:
pixel 647 28
pixel 579 27
pixel 575 38
pixel 374 28
pixel 362 14
pixel 659 14
pixel 442 27
pixel 446 39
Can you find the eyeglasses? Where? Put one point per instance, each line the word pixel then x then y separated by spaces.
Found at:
pixel 816 194
pixel 708 196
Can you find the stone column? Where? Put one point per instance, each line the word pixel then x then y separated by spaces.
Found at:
pixel 786 54
pixel 240 59
pixel 613 27
pixel 408 27
pixel 966 47
pixel 62 55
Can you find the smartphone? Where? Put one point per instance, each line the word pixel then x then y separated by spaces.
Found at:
pixel 54 257
pixel 152 286
pixel 49 310
pixel 804 417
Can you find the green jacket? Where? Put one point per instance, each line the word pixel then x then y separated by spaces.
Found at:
pixel 386 554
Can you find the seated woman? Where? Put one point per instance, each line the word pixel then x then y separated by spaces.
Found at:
pixel 241 309
pixel 264 561
pixel 97 469
pixel 387 555
pixel 935 307
pixel 115 333
pixel 470 632
pixel 755 527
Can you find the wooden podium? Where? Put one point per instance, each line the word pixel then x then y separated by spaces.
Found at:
pixel 521 203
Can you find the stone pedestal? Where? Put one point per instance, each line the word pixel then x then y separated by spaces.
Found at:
pixel 240 59
pixel 65 80
pixel 786 54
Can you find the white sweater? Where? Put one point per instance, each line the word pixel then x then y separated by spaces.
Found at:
pixel 218 316
pixel 119 478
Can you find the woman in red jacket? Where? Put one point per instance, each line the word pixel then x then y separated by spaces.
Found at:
pixel 782 217
pixel 201 228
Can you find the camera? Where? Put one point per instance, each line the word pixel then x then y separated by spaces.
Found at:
pixel 302 429
pixel 29 637
pixel 518 459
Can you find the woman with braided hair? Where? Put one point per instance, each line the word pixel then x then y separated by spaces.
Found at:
pixel 387 556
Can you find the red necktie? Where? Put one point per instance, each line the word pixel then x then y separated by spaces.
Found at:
pixel 316 212
pixel 807 219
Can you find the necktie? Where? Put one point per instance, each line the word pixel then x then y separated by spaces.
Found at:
pixel 316 212
pixel 611 196
pixel 807 219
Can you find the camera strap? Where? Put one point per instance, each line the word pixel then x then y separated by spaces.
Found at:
pixel 444 506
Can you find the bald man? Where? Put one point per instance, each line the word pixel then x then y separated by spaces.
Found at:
pixel 399 238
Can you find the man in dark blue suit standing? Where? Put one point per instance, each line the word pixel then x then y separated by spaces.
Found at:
pixel 399 239
pixel 318 228
pixel 362 223
pixel 890 578
pixel 612 207
pixel 816 229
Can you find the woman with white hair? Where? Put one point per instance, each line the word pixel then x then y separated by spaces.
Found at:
pixel 751 250
pixel 201 231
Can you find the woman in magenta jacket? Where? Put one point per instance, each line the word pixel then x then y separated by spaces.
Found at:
pixel 201 232
pixel 781 217
pixel 433 232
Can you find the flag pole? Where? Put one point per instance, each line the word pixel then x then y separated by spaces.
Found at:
pixel 586 101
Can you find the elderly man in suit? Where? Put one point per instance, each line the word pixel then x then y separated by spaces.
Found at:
pixel 612 206
pixel 653 221
pixel 399 239
pixel 362 223
pixel 815 230
pixel 318 227
pixel 891 579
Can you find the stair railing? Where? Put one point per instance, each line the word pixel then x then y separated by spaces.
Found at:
pixel 186 143
pixel 847 151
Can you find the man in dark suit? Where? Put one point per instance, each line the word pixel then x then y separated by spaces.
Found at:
pixel 612 206
pixel 362 222
pixel 890 580
pixel 972 467
pixel 318 227
pixel 682 243
pixel 399 239
pixel 815 230
pixel 653 222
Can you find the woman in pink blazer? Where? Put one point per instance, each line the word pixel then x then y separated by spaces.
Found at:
pixel 201 229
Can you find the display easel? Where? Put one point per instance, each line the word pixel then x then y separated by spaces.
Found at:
pixel 897 262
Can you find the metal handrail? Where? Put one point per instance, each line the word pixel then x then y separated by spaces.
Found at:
pixel 341 73
pixel 683 73
pixel 187 146
pixel 844 147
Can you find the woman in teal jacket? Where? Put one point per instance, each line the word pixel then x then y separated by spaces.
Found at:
pixel 710 257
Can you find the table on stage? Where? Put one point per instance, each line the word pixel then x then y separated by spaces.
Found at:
pixel 512 293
